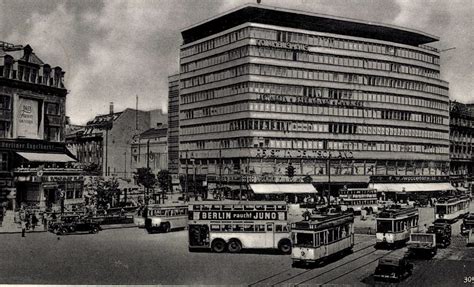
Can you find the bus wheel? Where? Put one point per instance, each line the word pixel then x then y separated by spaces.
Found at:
pixel 218 245
pixel 166 227
pixel 234 246
pixel 284 246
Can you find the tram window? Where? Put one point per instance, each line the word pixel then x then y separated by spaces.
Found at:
pixel 321 238
pixel 249 227
pixel 260 228
pixel 441 209
pixel 330 235
pixel 384 226
pixel 269 227
pixel 215 227
pixel 305 239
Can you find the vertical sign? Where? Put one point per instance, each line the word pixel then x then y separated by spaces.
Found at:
pixel 27 118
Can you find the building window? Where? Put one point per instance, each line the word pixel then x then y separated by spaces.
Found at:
pixel 4 102
pixel 4 129
pixel 52 109
pixel 3 161
pixel 52 134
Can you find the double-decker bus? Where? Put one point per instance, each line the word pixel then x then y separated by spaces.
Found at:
pixel 394 225
pixel 358 199
pixel 162 217
pixel 234 225
pixel 452 208
pixel 321 237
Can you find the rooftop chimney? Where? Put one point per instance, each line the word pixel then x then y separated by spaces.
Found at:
pixel 111 108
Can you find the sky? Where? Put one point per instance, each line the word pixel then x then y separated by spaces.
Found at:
pixel 114 50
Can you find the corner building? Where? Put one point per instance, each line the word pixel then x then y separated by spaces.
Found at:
pixel 341 100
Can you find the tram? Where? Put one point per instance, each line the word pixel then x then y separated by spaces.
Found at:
pixel 394 225
pixel 321 237
pixel 452 208
pixel 358 199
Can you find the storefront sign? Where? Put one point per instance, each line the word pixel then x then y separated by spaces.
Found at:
pixel 308 154
pixel 407 179
pixel 279 99
pixel 27 118
pixel 239 215
pixel 285 45
pixel 62 178
pixel 30 146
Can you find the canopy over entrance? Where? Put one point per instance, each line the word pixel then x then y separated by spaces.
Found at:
pixel 411 187
pixel 45 157
pixel 295 188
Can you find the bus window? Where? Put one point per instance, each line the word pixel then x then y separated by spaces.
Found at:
pixel 238 207
pixel 227 227
pixel 260 228
pixel 270 207
pixel 248 207
pixel 226 207
pixel 237 227
pixel 278 228
pixel 215 227
pixel 304 239
pixel 216 207
pixel 384 226
pixel 248 227
pixel 270 227
pixel 196 207
pixel 281 207
pixel 259 207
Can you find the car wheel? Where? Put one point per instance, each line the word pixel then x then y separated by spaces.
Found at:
pixel 95 230
pixel 218 245
pixel 285 246
pixel 62 231
pixel 234 246
pixel 166 227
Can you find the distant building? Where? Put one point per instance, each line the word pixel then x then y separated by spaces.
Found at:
pixel 35 167
pixel 343 101
pixel 173 129
pixel 103 145
pixel 461 145
pixel 150 149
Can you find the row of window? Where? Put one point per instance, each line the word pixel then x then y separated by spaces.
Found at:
pixel 306 39
pixel 323 237
pixel 52 133
pixel 307 74
pixel 29 74
pixel 300 126
pixel 282 145
pixel 314 110
pixel 397 225
pixel 292 93
pixel 72 189
pixel 360 202
pixel 50 108
pixel 300 56
pixel 249 227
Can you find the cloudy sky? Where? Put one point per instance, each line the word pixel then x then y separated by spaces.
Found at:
pixel 113 50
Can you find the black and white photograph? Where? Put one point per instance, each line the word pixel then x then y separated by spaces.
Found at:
pixel 237 142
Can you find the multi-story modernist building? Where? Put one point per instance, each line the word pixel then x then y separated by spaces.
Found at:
pixel 173 129
pixel 461 149
pixel 150 149
pixel 35 166
pixel 341 100
pixel 103 146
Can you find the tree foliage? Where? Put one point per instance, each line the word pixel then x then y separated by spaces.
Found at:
pixel 308 179
pixel 145 177
pixel 103 190
pixel 164 180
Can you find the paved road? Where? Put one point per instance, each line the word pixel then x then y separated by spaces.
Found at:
pixel 131 256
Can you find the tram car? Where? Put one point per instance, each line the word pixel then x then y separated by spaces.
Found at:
pixel 452 208
pixel 321 237
pixel 394 225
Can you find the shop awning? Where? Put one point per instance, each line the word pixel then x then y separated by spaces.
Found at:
pixel 411 187
pixel 263 188
pixel 45 157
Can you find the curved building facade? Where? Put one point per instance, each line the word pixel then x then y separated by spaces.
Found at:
pixel 340 100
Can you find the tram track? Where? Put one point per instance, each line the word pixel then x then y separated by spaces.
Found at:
pixel 292 276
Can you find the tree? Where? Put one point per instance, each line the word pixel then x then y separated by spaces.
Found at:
pixel 92 169
pixel 145 178
pixel 164 182
pixel 104 190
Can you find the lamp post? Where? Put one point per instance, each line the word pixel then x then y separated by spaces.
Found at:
pixel 328 163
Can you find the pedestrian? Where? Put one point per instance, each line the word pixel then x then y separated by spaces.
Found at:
pixel 22 215
pixel 45 221
pixel 34 221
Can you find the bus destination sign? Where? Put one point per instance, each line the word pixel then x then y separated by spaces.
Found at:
pixel 239 215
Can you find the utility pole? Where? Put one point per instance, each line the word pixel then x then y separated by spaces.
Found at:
pixel 106 151
pixel 329 178
pixel 125 162
pixel 186 179
pixel 147 167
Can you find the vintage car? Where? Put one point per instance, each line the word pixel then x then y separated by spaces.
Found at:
pixel 393 268
pixel 74 223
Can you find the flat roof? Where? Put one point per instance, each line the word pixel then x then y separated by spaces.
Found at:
pixel 257 13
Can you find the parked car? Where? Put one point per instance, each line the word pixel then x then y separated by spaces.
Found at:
pixel 73 224
pixel 393 268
